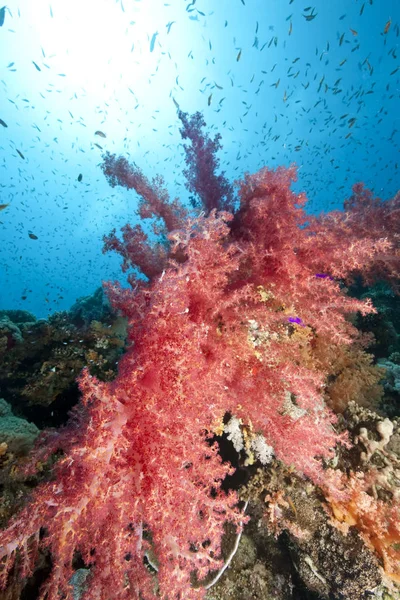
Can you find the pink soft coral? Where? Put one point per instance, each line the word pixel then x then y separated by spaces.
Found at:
pixel 212 331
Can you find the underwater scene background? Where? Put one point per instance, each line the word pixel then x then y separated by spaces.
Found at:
pixel 199 300
pixel 280 84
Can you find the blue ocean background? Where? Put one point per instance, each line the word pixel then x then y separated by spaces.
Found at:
pixel 282 81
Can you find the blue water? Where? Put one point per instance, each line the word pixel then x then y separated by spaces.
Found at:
pixel 282 84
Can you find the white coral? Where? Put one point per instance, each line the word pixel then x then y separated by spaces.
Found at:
pixel 234 433
pixel 261 449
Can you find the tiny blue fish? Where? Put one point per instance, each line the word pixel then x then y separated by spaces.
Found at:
pixel 153 41
pixel 2 15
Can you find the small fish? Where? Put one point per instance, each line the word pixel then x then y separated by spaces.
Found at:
pixel 341 39
pixel 387 26
pixel 80 177
pixel 3 206
pixel 296 320
pixel 33 236
pixel 342 63
pixel 36 66
pixel 239 55
pixel 98 145
pixel 10 65
pixel 209 99
pixel 290 28
pixel 362 9
pixel 153 41
pixel 311 16
pixel 2 15
pixel 20 153
pixel 100 134
pixel 353 31
pixel 3 123
pixel 169 25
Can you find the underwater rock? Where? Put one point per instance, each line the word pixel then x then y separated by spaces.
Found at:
pixel 19 435
pixel 86 309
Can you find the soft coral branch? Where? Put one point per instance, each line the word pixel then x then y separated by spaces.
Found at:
pixel 137 251
pixel 214 191
pixel 154 198
pixel 361 240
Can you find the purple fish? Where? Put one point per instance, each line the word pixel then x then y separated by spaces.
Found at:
pixel 296 320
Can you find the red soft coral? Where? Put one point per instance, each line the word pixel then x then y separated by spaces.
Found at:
pixel 214 330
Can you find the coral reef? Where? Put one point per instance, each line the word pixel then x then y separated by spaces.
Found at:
pixel 240 329
pixel 40 359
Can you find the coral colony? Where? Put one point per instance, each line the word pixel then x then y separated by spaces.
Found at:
pixel 239 313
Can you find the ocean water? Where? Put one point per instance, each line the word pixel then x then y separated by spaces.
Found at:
pixel 281 81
